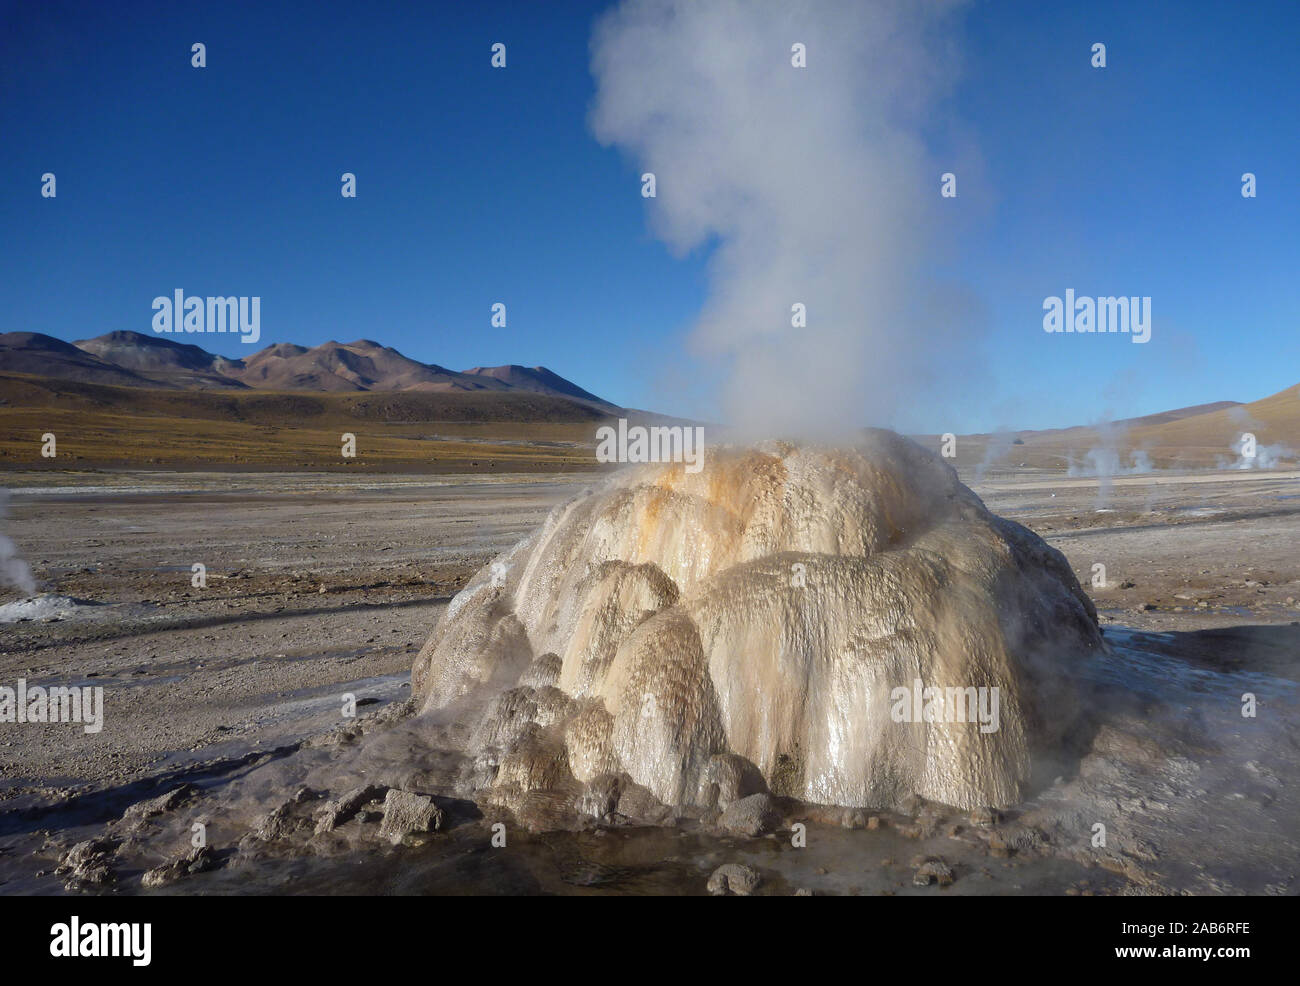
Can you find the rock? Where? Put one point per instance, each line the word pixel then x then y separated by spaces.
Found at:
pixel 160 805
pixel 599 796
pixel 160 876
pixel 1014 838
pixel 200 860
pixel 637 802
pixel 854 819
pixel 734 878
pixel 282 821
pixel 641 601
pixel 752 816
pixel 275 824
pixel 736 778
pixel 406 813
pixel 345 808
pixel 87 863
pixel 933 870
pixel 197 860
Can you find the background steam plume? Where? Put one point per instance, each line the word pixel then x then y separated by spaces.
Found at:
pixel 814 184
pixel 13 570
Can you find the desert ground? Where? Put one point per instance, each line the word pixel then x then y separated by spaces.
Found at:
pixel 318 585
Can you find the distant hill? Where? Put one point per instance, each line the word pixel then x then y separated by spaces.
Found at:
pixel 1195 437
pixel 537 380
pixel 1273 420
pixel 1146 420
pixel 32 352
pixel 162 361
pixel 134 359
pixel 360 365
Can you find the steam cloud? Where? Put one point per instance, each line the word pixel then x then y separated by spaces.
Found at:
pixel 13 570
pixel 813 184
pixel 1105 461
pixel 1266 456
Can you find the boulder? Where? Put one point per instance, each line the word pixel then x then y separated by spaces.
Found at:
pixel 406 813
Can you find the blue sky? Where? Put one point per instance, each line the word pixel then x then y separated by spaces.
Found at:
pixel 477 185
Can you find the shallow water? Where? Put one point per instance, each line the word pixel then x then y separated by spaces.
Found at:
pixel 645 861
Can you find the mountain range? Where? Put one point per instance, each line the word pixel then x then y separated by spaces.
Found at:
pixel 133 359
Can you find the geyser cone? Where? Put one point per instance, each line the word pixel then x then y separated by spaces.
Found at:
pixel 684 629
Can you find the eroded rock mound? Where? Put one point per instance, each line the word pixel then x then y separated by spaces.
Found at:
pixel 705 636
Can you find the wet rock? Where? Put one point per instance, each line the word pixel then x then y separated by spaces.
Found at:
pixel 1014 838
pixel 345 808
pixel 599 796
pixel 736 778
pixel 854 819
pixel 160 805
pixel 275 824
pixel 406 813
pixel 197 860
pixel 638 803
pixel 734 878
pixel 283 820
pixel 933 870
pixel 752 816
pixel 548 811
pixel 87 864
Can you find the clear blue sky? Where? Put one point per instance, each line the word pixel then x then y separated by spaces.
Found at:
pixel 477 186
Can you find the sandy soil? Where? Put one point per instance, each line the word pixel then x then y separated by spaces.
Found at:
pixel 321 585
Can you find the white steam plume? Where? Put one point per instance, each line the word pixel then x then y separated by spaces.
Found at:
pixel 814 185
pixel 13 570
